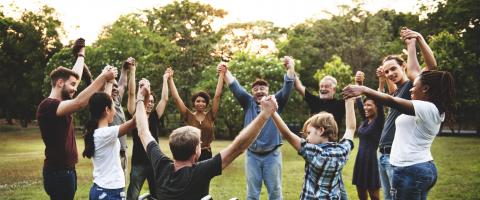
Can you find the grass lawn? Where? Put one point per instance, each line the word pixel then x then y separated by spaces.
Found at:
pixel 21 160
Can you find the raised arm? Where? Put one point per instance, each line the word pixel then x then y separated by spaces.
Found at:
pixel 108 88
pixel 413 67
pixel 218 94
pixel 163 101
pixel 131 89
pixel 249 133
pixel 402 105
pixel 299 87
pixel 238 91
pixel 123 80
pixel 70 106
pixel 141 116
pixel 79 52
pixel 427 53
pixel 284 93
pixel 350 121
pixel 223 69
pixel 291 137
pixel 127 127
pixel 382 79
pixel 176 97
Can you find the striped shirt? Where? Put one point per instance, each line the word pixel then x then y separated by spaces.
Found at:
pixel 323 167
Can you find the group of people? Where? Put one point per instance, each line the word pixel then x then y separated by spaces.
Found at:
pixel 394 149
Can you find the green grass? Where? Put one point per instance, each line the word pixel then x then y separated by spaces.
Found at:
pixel 21 159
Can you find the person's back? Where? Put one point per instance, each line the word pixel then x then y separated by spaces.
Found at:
pixel 189 182
pixel 323 167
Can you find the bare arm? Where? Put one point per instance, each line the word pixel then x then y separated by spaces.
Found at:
pixel 131 91
pixel 122 82
pixel 402 105
pixel 126 127
pixel 163 101
pixel 413 67
pixel 427 53
pixel 218 94
pixel 142 118
pixel 78 68
pixel 249 133
pixel 223 69
pixel 293 139
pixel 176 98
pixel 108 88
pixel 350 121
pixel 299 87
pixel 70 106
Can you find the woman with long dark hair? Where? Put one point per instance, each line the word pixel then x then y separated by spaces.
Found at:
pixel 414 172
pixel 200 117
pixel 102 146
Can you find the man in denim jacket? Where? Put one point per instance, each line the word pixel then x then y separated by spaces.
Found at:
pixel 263 158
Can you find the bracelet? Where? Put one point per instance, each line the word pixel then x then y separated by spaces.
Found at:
pixel 138 100
pixel 80 55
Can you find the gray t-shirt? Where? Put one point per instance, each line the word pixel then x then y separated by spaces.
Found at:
pixel 388 132
pixel 119 119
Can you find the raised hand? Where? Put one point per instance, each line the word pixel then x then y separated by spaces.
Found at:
pixel 222 68
pixel 380 73
pixel 289 63
pixel 167 74
pixel 269 104
pixel 78 48
pixel 407 33
pixel 352 91
pixel 129 63
pixel 109 73
pixel 144 82
pixel 359 77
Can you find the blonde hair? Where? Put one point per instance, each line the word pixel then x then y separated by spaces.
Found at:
pixel 326 121
pixel 183 142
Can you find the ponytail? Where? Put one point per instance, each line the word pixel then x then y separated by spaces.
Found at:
pixel 90 127
pixel 96 105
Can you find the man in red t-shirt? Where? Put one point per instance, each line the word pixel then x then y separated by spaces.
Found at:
pixel 54 115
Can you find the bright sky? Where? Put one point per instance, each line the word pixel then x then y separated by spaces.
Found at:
pixel 86 18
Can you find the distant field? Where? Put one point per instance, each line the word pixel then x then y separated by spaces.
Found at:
pixel 21 159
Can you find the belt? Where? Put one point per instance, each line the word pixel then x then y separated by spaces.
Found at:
pixel 385 149
pixel 264 152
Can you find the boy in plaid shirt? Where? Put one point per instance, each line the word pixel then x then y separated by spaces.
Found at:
pixel 324 158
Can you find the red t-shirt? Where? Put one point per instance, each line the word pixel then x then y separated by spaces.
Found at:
pixel 58 136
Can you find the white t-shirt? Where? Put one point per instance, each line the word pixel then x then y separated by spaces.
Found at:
pixel 107 170
pixel 414 134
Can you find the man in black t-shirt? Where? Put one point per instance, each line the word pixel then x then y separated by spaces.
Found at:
pixel 184 177
pixel 325 101
pixel 141 167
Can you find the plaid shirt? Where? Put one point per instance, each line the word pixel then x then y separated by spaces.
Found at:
pixel 323 166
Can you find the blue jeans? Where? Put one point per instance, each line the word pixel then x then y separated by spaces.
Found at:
pixel 97 193
pixel 385 170
pixel 60 184
pixel 267 168
pixel 413 182
pixel 138 174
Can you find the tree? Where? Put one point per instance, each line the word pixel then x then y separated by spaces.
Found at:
pixel 452 56
pixel 246 68
pixel 26 46
pixel 360 38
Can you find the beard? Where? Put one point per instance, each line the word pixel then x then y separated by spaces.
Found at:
pixel 66 94
pixel 325 96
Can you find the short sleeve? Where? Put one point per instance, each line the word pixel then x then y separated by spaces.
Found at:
pixel 427 115
pixel 157 159
pixel 211 167
pixel 49 108
pixel 107 134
